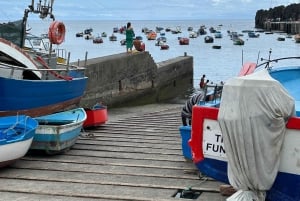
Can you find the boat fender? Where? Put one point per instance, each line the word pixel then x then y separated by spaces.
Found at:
pixel 57 32
pixel 247 69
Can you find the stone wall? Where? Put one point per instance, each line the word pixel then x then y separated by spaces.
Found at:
pixel 134 79
pixel 287 27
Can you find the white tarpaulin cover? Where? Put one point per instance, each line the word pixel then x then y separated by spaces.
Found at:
pixel 252 116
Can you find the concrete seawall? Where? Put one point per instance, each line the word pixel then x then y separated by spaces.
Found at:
pixel 135 79
pixel 287 27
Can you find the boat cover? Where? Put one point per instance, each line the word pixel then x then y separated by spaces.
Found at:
pixel 252 116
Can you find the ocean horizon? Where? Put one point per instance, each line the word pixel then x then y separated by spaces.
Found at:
pixel 217 64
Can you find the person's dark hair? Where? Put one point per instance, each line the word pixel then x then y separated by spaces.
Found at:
pixel 128 25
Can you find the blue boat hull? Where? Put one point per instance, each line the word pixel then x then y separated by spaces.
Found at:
pixel 58 132
pixel 284 187
pixel 16 134
pixel 289 77
pixel 39 97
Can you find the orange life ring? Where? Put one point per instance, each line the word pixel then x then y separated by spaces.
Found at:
pixel 57 32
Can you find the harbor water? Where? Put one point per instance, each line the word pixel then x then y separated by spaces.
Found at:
pixel 217 64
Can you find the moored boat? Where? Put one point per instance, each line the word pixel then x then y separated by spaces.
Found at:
pixel 193 34
pixel 164 46
pixel 252 34
pixel 88 37
pixel 98 39
pixel 184 41
pixel 238 41
pixel 58 132
pixel 216 46
pixel 113 37
pixel 218 34
pixel 88 31
pixel 103 34
pixel 281 38
pixel 208 39
pixel 123 42
pixel 79 34
pixel 151 35
pixel 218 138
pixel 16 134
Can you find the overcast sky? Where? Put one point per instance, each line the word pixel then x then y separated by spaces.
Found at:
pixel 145 10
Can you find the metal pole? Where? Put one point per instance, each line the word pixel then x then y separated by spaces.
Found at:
pixel 85 60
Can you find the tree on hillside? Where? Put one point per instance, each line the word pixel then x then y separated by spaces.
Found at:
pixel 279 13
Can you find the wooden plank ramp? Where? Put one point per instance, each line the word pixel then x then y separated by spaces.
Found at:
pixel 133 157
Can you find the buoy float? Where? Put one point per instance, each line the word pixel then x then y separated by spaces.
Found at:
pixel 56 32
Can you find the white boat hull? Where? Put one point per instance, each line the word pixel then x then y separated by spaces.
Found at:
pixel 14 151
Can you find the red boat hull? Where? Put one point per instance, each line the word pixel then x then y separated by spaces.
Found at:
pixel 95 117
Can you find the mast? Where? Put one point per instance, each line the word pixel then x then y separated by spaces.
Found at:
pixel 43 11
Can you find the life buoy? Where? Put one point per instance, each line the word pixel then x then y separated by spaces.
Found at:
pixel 57 32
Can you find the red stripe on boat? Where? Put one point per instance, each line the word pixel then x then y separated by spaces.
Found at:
pixel 293 123
pixel 199 114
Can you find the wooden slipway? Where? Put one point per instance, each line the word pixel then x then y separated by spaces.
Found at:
pixel 135 156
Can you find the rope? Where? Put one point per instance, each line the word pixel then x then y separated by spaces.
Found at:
pixel 12 126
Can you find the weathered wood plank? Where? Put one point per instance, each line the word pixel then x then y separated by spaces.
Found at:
pixel 128 143
pixel 115 179
pixel 16 196
pixel 118 169
pixel 84 190
pixel 131 149
pixel 112 161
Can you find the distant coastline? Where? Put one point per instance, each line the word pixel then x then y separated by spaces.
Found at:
pixel 288 14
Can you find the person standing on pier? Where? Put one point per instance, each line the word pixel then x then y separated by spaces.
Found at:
pixel 129 37
pixel 202 81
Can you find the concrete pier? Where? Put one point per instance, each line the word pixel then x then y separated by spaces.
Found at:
pixel 287 27
pixel 135 79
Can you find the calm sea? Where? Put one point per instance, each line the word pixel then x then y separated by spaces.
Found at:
pixel 217 64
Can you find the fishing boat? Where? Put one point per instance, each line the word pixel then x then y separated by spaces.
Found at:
pixel 32 80
pixel 208 39
pixel 96 116
pixel 238 41
pixel 262 133
pixel 193 34
pixel 184 41
pixel 112 37
pixel 16 134
pixel 164 46
pixel 252 34
pixel 98 39
pixel 103 34
pixel 151 35
pixel 216 46
pixel 123 42
pixel 218 34
pixel 58 132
